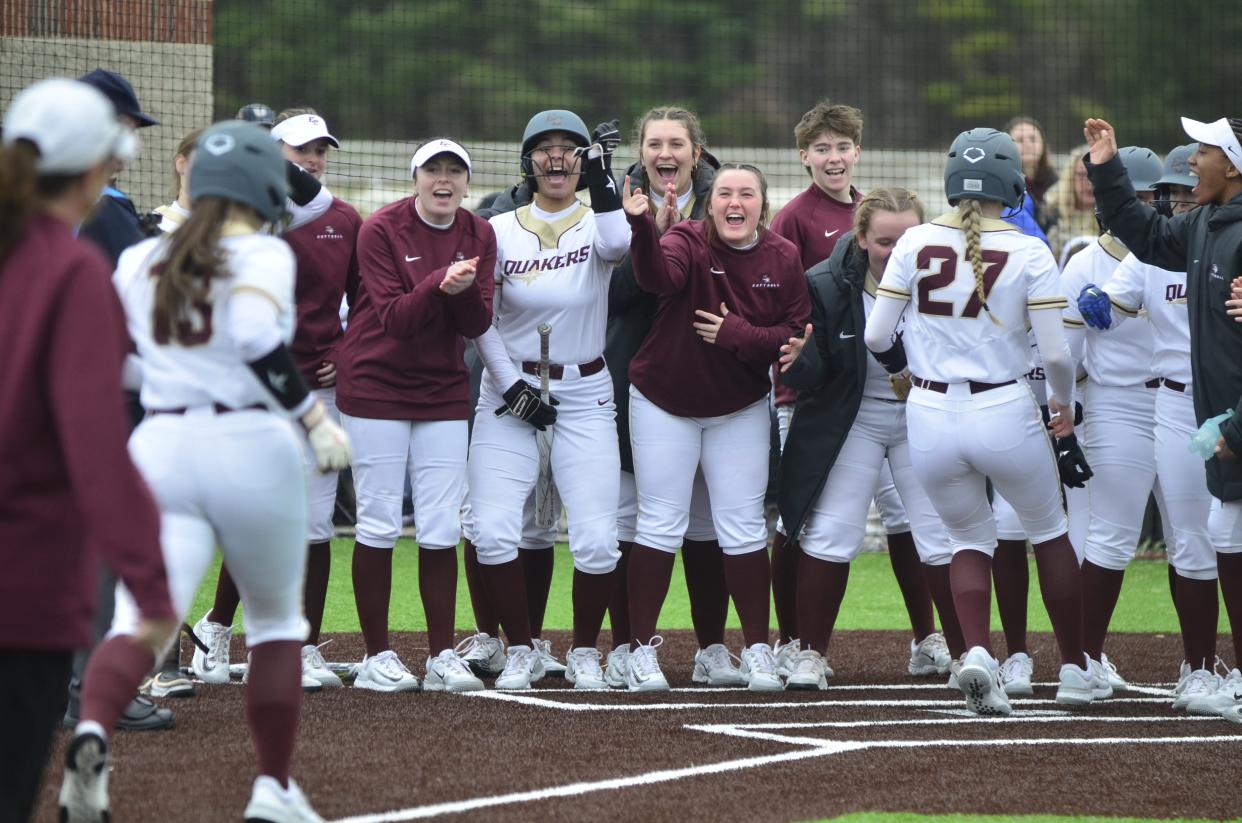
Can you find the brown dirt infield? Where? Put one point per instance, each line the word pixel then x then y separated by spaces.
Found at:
pixel 363 754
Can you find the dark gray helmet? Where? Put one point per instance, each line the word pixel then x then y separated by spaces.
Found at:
pixel 1142 165
pixel 984 164
pixel 1177 167
pixel 549 121
pixel 259 113
pixel 240 162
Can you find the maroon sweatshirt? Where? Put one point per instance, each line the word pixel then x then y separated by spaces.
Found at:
pixel 402 354
pixel 765 291
pixel 69 494
pixel 813 222
pixel 327 269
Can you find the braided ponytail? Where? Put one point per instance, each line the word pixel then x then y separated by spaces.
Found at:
pixel 972 216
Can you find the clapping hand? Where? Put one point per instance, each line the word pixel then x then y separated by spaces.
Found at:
pixel 459 276
pixel 635 203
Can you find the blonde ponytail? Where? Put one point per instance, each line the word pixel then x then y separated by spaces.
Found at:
pixel 972 216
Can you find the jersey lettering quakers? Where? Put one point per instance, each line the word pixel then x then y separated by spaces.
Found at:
pixel 552 268
pixel 1137 286
pixel 203 366
pixel 403 356
pixel 1122 356
pixel 950 337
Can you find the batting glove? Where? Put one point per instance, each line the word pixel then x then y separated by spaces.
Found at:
pixel 521 400
pixel 1071 463
pixel 1093 305
pixel 327 440
pixel 608 135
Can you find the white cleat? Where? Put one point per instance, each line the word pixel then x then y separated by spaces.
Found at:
pixel 270 803
pixel 551 666
pixel 809 673
pixel 384 672
pixel 310 685
pixel 1077 686
pixel 212 665
pixel 1115 681
pixel 1194 686
pixel 447 672
pixel 84 792
pixel 484 654
pixel 930 656
pixel 642 672
pixel 522 669
pixel 979 680
pixel 714 666
pixel 315 668
pixel 785 654
pixel 616 669
pixel 759 669
pixel 1016 673
pixel 1228 693
pixel 582 669
pixel 1101 688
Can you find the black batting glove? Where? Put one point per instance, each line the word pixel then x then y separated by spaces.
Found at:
pixel 521 400
pixel 1071 463
pixel 1077 414
pixel 608 135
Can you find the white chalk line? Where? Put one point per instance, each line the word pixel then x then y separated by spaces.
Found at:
pixel 1143 688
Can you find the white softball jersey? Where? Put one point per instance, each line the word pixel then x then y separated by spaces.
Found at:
pixel 204 366
pixel 553 268
pixel 1137 289
pixel 876 383
pixel 949 336
pixel 1121 357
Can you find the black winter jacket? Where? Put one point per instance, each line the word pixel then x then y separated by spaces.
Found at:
pixel 829 376
pixel 1207 244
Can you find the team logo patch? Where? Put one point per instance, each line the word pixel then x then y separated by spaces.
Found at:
pixel 974 154
pixel 313 120
pixel 459 256
pixel 765 282
pixel 218 144
pixel 1214 272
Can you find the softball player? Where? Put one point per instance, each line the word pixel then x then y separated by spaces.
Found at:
pixel 404 399
pixel 850 418
pixel 321 231
pixel 973 282
pixel 175 213
pixel 675 166
pixel 553 263
pixel 1118 405
pixel 698 398
pixel 213 338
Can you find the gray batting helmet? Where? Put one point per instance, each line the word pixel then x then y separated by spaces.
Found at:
pixel 1142 165
pixel 1177 167
pixel 258 113
pixel 550 121
pixel 984 164
pixel 240 162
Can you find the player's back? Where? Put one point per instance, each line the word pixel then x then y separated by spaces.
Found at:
pixel 200 364
pixel 951 336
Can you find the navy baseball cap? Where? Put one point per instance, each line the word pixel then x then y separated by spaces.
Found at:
pixel 117 89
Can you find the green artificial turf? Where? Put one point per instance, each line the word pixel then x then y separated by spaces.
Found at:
pixel 871 602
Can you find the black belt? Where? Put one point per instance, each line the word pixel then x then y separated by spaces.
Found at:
pixel 556 371
pixel 943 388
pixel 1154 383
pixel 1174 385
pixel 219 409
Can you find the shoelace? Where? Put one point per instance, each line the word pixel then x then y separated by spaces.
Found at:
pixel 218 645
pixel 787 651
pixel 760 660
pixel 1016 667
pixel 718 657
pixel 1109 668
pixel 587 663
pixel 453 661
pixel 518 660
pixel 806 663
pixel 390 665
pixel 465 647
pixel 643 660
pixel 315 658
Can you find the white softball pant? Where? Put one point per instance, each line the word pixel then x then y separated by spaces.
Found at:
pixel 837 522
pixel 1183 485
pixel 1120 445
pixel 700 528
pixel 321 486
pixel 732 451
pixel 534 536
pixel 958 440
pixel 586 466
pixel 1225 526
pixel 434 454
pixel 1009 527
pixel 235 480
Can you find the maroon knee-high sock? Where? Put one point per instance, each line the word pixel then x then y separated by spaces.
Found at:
pixel 703 564
pixel 372 572
pixel 273 703
pixel 970 576
pixel 908 569
pixel 1060 585
pixel 821 588
pixel 315 587
pixel 224 608
pixel 1012 577
pixel 619 604
pixel 649 574
pixel 111 679
pixel 1173 575
pixel 437 586
pixel 749 577
pixel 591 595
pixel 484 617
pixel 1229 572
pixel 786 563
pixel 505 585
pixel 1101 588
pixel 1198 611
pixel 941 591
pixel 537 568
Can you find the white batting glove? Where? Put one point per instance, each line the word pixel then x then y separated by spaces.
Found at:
pixel 327 440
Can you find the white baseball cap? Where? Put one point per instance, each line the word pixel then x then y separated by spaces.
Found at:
pixel 73 125
pixel 1217 133
pixel 439 145
pixel 302 129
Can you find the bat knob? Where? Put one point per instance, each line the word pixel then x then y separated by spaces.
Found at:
pixel 544 328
